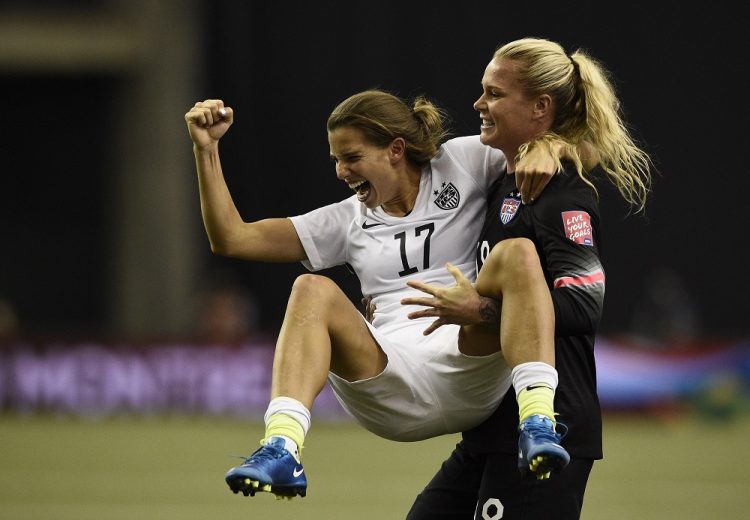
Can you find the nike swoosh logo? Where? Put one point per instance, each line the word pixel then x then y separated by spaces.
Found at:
pixel 537 386
pixel 365 225
pixel 299 472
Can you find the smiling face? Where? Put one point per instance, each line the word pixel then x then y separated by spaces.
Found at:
pixel 509 116
pixel 365 168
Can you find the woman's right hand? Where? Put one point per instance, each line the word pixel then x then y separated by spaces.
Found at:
pixel 459 304
pixel 208 121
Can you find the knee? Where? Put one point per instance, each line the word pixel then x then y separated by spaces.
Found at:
pixel 513 259
pixel 312 287
pixel 516 254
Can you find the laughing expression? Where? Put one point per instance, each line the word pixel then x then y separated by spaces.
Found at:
pixel 365 168
pixel 506 112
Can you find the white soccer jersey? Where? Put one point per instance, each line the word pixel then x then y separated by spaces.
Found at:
pixel 428 387
pixel 386 251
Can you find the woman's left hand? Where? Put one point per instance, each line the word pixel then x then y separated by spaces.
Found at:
pixel 534 170
pixel 457 305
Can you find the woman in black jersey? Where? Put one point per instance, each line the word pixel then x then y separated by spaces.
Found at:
pixel 533 89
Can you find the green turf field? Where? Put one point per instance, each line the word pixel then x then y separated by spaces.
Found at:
pixel 173 468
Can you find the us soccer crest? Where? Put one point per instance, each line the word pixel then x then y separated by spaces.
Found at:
pixel 509 209
pixel 448 197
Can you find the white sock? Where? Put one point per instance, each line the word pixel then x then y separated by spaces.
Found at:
pixel 533 373
pixel 292 408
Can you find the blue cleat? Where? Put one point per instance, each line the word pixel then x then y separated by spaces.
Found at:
pixel 271 468
pixel 539 450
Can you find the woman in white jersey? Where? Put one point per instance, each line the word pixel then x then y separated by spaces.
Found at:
pixel 418 205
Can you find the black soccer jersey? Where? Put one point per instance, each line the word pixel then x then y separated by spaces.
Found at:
pixel 564 226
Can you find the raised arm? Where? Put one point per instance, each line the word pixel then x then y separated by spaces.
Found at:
pixel 269 240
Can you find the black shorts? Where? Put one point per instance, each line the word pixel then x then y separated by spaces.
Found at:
pixel 489 487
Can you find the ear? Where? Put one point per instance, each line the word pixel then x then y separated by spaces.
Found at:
pixel 543 106
pixel 397 149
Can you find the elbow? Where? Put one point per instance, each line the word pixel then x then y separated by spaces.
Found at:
pixel 220 248
pixel 217 250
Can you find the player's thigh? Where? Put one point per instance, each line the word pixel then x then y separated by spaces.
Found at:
pixel 505 494
pixel 452 492
pixel 481 339
pixel 355 354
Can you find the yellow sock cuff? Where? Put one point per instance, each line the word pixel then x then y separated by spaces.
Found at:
pixel 536 400
pixel 283 424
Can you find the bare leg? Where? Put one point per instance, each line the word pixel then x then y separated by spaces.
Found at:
pixel 322 331
pixel 512 274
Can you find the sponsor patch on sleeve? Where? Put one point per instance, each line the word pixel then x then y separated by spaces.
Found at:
pixel 577 225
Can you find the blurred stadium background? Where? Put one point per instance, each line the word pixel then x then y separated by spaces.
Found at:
pixel 133 362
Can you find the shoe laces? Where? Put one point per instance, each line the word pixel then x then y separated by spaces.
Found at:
pixel 265 452
pixel 543 429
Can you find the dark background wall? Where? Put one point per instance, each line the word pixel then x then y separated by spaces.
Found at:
pixel 284 66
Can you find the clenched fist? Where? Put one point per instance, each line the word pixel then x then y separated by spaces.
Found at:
pixel 208 121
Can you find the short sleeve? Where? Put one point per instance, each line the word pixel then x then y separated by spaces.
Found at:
pixel 324 233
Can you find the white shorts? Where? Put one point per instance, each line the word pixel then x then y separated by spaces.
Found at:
pixel 427 389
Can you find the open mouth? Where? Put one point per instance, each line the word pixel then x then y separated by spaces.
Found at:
pixel 486 123
pixel 362 188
